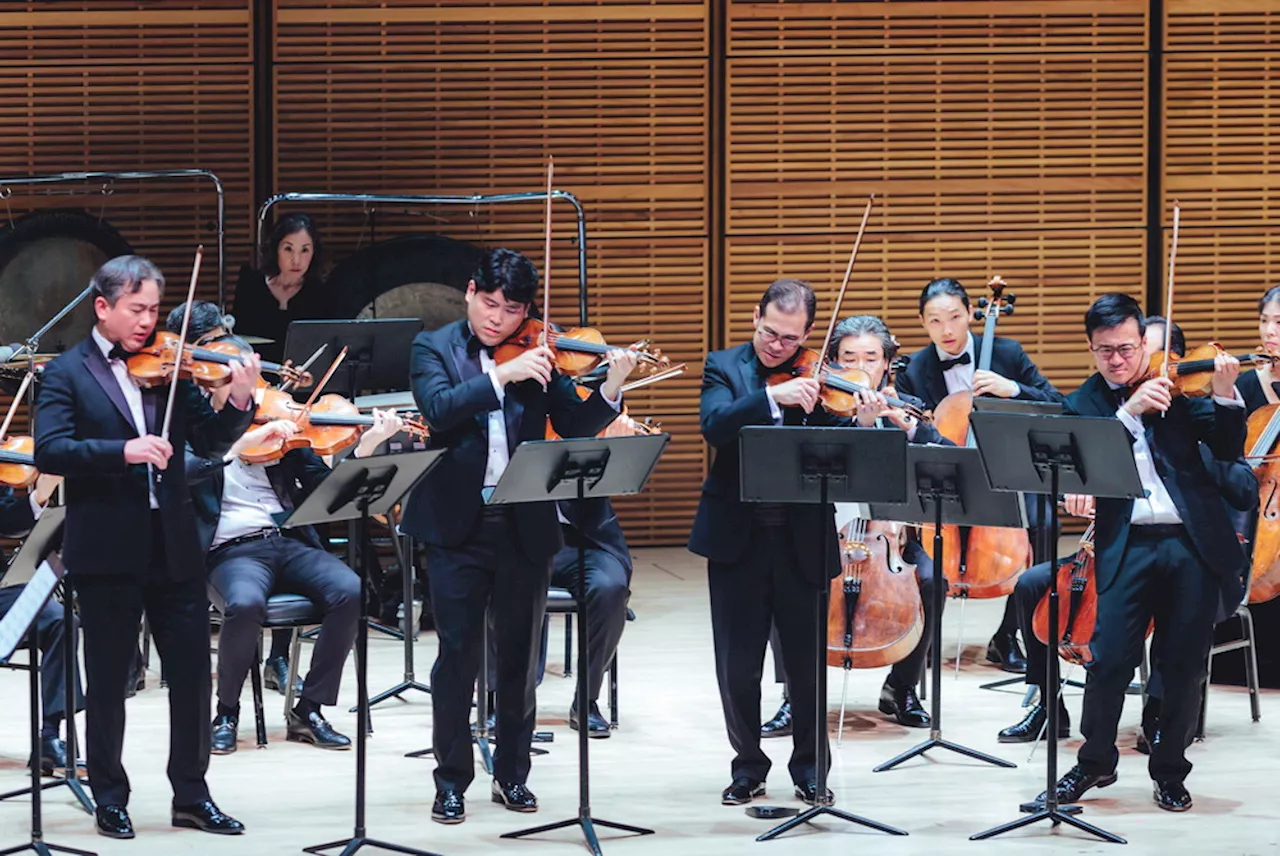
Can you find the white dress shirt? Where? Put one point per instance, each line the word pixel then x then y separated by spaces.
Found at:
pixel 959 378
pixel 248 502
pixel 132 397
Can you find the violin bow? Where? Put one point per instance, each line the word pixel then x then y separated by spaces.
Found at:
pixel 315 393
pixel 13 405
pixel 302 369
pixel 848 272
pixel 1173 258
pixel 182 343
pixel 546 261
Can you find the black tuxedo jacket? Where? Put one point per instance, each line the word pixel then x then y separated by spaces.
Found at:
pixel 598 523
pixel 82 425
pixel 444 506
pixel 923 376
pixel 293 478
pixel 1175 448
pixel 733 397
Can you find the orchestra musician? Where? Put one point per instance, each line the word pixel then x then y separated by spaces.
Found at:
pixel 17 516
pixel 490 557
pixel 287 289
pixel 1160 557
pixel 949 364
pixel 1260 387
pixel 239 507
pixel 130 542
pixel 763 566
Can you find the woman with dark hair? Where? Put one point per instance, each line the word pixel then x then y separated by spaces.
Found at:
pixel 286 289
pixel 1261 386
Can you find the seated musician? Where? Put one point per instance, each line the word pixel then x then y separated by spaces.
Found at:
pixel 238 508
pixel 17 516
pixel 950 364
pixel 1261 386
pixel 1160 557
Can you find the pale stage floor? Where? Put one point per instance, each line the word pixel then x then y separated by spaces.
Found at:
pixel 664 768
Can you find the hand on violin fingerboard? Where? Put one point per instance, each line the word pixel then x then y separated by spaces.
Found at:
pixel 386 424
pixel 622 362
pixel 1226 369
pixel 244 380
pixel 871 405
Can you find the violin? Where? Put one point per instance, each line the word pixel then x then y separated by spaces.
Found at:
pixel 326 425
pixel 1192 374
pixel 989 563
pixel 624 425
pixel 875 617
pixel 208 366
pixel 17 453
pixel 578 350
pixel 840 386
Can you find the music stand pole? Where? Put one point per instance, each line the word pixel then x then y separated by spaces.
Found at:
pixel 404 551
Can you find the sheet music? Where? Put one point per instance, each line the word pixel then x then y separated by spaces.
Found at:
pixel 13 627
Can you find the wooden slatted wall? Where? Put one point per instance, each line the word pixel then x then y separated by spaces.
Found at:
pixel 451 97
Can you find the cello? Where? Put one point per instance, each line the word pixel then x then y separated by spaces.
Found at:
pixel 875 617
pixel 993 557
pixel 1260 452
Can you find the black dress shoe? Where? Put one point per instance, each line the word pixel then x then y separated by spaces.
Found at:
pixel 53 755
pixel 449 807
pixel 316 730
pixel 113 821
pixel 225 731
pixel 1004 650
pixel 206 817
pixel 904 706
pixel 808 794
pixel 275 676
pixel 1075 784
pixel 1028 730
pixel 516 797
pixel 597 725
pixel 780 725
pixel 1144 742
pixel 741 791
pixel 1172 796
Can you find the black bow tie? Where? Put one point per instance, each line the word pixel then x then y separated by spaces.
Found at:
pixel 962 360
pixel 475 346
pixel 119 353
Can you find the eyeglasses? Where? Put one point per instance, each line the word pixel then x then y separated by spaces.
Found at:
pixel 1107 351
pixel 771 336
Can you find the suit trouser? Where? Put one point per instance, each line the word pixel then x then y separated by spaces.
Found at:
pixel 765 586
pixel 242 577
pixel 487 571
pixel 111 609
pixel 1161 576
pixel 51 637
pixel 607 588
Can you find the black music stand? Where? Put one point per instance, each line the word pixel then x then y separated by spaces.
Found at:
pixel 404 555
pixel 798 465
pixel 947 485
pixel 1047 455
pixel 548 470
pixel 36 565
pixel 357 489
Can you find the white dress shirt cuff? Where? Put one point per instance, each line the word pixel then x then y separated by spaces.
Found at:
pixel 911 432
pixel 1133 423
pixel 1236 401
pixel 498 389
pixel 615 403
pixel 36 508
pixel 774 410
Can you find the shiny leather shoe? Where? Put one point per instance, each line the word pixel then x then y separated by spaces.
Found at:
pixel 275 676
pixel 1075 784
pixel 780 725
pixel 1171 796
pixel 206 817
pixel 597 725
pixel 316 730
pixel 113 821
pixel 741 791
pixel 449 807
pixel 808 794
pixel 904 706
pixel 1028 730
pixel 225 731
pixel 53 755
pixel 1004 650
pixel 516 797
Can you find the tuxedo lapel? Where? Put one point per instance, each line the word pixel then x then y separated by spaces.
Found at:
pixel 751 380
pixel 934 384
pixel 101 372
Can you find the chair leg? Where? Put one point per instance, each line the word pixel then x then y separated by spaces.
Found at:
pixel 613 691
pixel 1250 661
pixel 1204 698
pixel 255 681
pixel 568 644
pixel 295 649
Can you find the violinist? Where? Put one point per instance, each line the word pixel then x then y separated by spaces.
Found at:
pixel 491 557
pixel 1162 556
pixel 763 566
pixel 949 364
pixel 238 509
pixel 130 542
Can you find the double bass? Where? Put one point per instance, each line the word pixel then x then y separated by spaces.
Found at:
pixel 993 557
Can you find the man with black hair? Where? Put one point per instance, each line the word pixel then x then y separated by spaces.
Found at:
pixel 130 542
pixel 1160 557
pixel 950 364
pixel 490 557
pixel 757 572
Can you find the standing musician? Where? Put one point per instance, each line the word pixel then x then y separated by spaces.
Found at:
pixel 239 507
pixel 949 365
pixel 17 516
pixel 130 539
pixel 763 565
pixel 495 557
pixel 1160 557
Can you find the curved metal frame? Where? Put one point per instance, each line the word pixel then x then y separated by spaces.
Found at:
pixel 473 200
